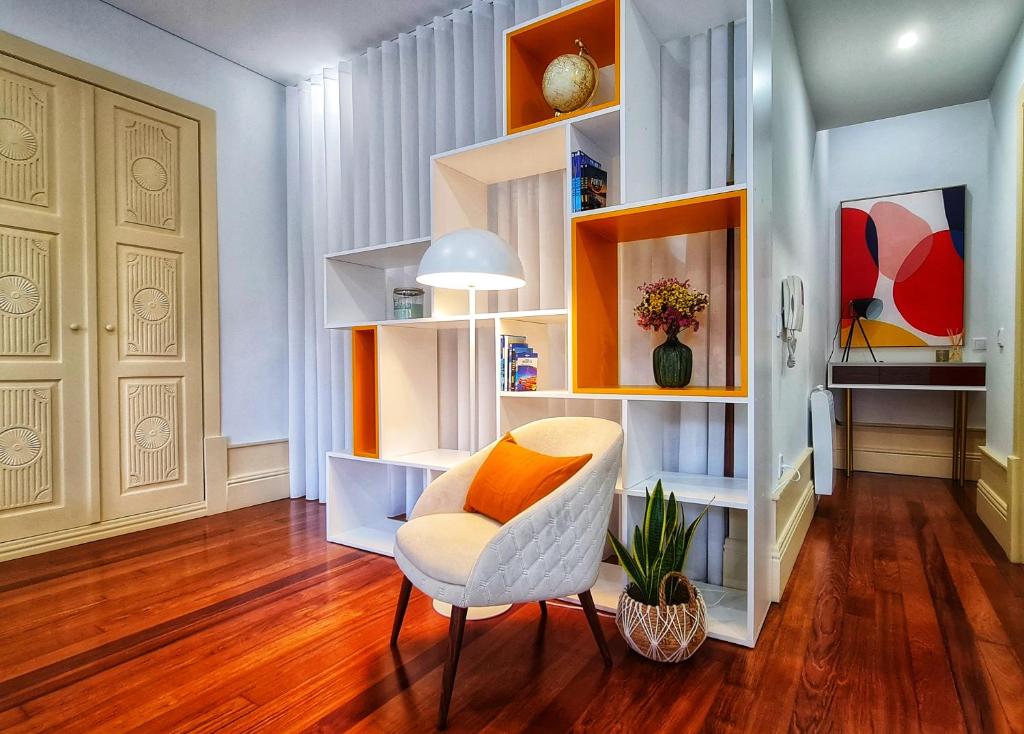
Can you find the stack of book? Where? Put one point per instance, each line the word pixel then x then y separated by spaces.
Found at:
pixel 517 371
pixel 589 183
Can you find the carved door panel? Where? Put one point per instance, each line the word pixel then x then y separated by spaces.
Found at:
pixel 48 448
pixel 150 367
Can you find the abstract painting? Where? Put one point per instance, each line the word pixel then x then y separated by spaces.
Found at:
pixel 907 250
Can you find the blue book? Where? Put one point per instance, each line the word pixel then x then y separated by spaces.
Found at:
pixel 506 341
pixel 580 163
pixel 515 352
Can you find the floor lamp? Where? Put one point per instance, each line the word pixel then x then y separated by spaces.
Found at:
pixel 471 260
pixel 861 308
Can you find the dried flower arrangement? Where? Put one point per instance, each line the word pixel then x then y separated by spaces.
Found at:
pixel 669 305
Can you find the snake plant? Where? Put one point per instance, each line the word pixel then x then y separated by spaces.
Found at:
pixel 660 546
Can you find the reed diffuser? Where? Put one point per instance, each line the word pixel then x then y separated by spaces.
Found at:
pixel 956 345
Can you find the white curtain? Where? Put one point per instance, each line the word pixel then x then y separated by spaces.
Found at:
pixel 360 137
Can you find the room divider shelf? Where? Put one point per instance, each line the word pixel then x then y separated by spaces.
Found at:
pixel 601 244
pixel 530 46
pixel 427 322
pixel 538 394
pixel 620 394
pixel 682 394
pixel 378 537
pixel 700 489
pixel 436 459
pixel 358 283
pixel 540 316
pixel 576 307
pixel 365 422
pixel 405 253
pixel 440 460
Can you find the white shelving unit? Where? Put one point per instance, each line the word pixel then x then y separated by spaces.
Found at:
pixel 424 423
pixel 358 282
pixel 696 489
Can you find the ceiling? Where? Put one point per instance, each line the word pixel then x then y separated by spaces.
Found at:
pixel 855 72
pixel 286 40
pixel 853 69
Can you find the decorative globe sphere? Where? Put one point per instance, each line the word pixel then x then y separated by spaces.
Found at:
pixel 569 82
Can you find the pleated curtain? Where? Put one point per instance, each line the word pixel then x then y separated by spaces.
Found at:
pixel 360 136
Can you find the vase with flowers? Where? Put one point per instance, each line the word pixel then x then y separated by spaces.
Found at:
pixel 671 306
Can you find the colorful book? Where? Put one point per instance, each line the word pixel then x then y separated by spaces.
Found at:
pixel 580 159
pixel 526 374
pixel 506 341
pixel 589 183
pixel 593 188
pixel 516 352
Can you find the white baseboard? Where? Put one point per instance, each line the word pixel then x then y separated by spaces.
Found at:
pixel 920 451
pixel 98 531
pixel 793 505
pixel 257 490
pixel 257 473
pixel 254 473
pixel 998 501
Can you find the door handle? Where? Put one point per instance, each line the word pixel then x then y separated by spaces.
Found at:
pixel 74 327
pixel 109 328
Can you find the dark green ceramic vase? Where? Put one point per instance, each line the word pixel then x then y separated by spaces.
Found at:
pixel 673 363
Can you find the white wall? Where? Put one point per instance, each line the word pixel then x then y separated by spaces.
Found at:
pixel 942 147
pixel 1005 192
pixel 250 186
pixel 797 245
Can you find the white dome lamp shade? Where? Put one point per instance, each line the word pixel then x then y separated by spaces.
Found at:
pixel 471 259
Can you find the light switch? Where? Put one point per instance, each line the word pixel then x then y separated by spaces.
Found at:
pixel 979 343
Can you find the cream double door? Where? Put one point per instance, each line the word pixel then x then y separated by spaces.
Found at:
pixel 100 323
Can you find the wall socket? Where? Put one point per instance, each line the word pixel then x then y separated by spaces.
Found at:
pixel 979 343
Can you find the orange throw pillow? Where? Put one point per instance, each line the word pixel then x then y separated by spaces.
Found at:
pixel 512 478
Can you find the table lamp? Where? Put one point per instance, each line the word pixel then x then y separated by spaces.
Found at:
pixel 861 308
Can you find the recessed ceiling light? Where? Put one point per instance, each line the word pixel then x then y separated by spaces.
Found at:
pixel 907 40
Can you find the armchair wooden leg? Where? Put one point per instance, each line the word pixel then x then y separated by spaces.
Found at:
pixel 403 602
pixel 455 629
pixel 587 602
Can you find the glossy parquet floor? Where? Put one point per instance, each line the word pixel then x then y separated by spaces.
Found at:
pixel 901 616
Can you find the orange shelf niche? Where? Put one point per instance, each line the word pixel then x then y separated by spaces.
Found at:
pixel 529 50
pixel 365 423
pixel 596 239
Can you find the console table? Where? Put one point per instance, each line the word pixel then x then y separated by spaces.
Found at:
pixel 959 378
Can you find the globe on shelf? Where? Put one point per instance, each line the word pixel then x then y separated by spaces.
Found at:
pixel 570 81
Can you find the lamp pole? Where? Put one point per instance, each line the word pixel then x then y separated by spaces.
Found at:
pixel 472 369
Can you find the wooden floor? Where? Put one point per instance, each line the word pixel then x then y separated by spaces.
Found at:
pixel 902 616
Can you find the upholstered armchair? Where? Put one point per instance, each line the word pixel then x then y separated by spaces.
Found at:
pixel 550 550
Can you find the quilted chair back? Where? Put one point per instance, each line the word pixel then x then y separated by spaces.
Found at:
pixel 554 547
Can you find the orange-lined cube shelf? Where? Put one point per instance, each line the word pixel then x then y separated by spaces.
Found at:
pixel 529 50
pixel 596 239
pixel 365 422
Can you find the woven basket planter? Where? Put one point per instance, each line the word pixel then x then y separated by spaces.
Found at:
pixel 667 633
